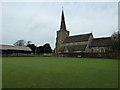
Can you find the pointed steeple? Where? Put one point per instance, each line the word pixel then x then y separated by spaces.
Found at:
pixel 62 26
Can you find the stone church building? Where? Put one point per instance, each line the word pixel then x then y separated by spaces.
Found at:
pixel 79 43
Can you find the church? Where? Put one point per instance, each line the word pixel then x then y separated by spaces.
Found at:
pixel 79 43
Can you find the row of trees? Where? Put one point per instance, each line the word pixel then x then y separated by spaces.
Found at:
pixel 46 48
pixel 41 49
pixel 115 45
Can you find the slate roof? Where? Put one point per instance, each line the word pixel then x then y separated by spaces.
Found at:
pixel 10 47
pixel 71 48
pixel 77 38
pixel 101 42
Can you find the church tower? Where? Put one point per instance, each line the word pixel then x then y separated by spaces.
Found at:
pixel 61 34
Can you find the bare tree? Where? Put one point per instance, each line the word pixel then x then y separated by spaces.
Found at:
pixel 20 43
pixel 29 42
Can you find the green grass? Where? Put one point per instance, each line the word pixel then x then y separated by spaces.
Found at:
pixel 54 72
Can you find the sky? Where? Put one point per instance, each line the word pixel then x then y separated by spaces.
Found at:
pixel 38 21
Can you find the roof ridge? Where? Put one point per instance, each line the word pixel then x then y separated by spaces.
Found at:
pixel 11 45
pixel 79 35
pixel 102 38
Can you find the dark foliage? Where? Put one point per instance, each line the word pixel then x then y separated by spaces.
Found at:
pixel 41 49
pixel 32 47
pixel 47 48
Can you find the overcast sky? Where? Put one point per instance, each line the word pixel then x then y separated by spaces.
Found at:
pixel 39 21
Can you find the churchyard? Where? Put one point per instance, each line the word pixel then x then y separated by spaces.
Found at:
pixel 59 72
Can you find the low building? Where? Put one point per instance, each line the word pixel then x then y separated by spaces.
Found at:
pixel 9 50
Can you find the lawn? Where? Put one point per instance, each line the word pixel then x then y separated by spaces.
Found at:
pixel 59 72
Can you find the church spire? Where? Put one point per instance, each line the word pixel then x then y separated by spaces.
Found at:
pixel 62 26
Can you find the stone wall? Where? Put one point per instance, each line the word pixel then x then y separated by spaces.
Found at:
pixel 114 55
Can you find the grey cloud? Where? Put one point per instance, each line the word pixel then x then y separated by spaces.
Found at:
pixel 39 22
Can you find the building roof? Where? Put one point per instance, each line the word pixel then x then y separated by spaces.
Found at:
pixel 77 38
pixel 71 48
pixel 101 42
pixel 11 47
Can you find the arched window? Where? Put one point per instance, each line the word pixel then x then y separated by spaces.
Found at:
pixel 102 50
pixel 92 50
